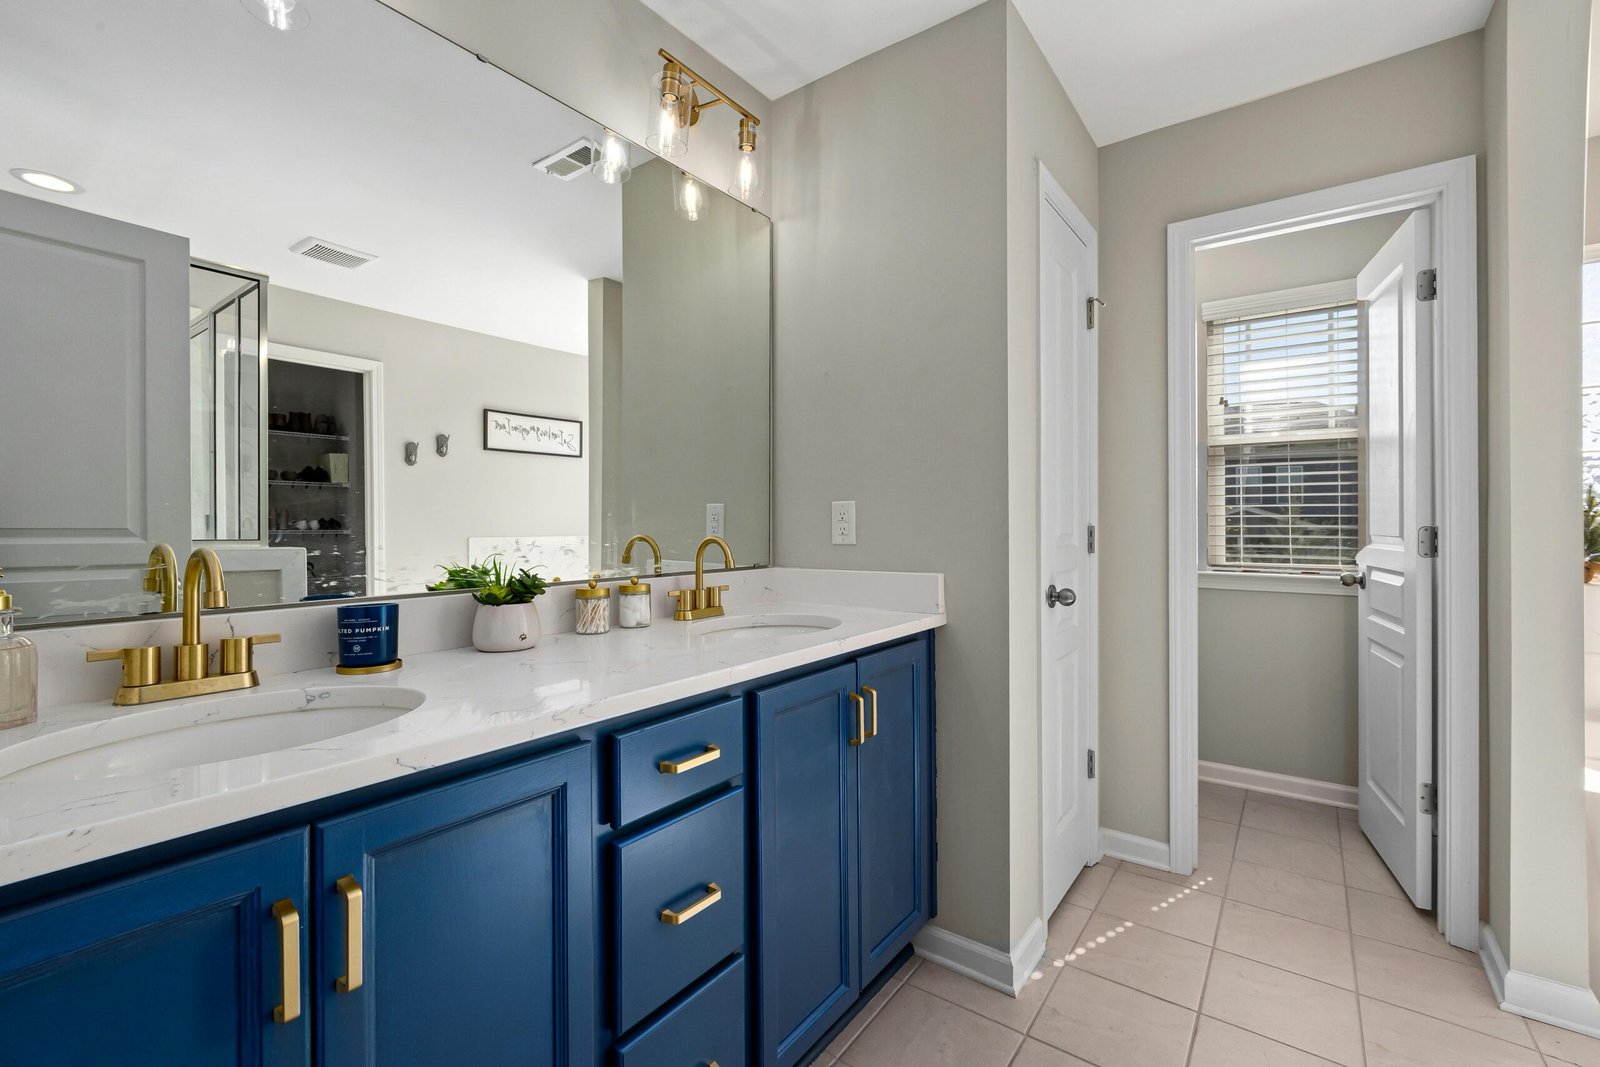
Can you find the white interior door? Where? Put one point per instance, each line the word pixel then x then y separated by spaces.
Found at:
pixel 1067 465
pixel 98 311
pixel 1395 639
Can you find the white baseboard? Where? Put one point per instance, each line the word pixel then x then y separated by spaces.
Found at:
pixel 1281 785
pixel 1007 972
pixel 1567 1006
pixel 1140 850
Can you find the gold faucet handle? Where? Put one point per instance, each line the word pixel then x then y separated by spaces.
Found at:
pixel 238 653
pixel 713 596
pixel 688 600
pixel 140 666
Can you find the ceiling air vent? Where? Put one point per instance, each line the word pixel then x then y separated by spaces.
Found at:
pixel 328 252
pixel 571 161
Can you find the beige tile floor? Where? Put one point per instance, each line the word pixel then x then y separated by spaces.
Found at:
pixel 1291 945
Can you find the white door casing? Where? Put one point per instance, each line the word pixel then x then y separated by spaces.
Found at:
pixel 1067 473
pixel 97 310
pixel 1395 627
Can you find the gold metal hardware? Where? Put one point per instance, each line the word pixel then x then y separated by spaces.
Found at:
pixel 872 695
pixel 700 602
pixel 350 890
pixel 673 84
pixel 655 550
pixel 677 918
pixel 5 597
pixel 861 719
pixel 238 653
pixel 712 752
pixel 141 667
pixel 161 576
pixel 289 950
pixel 380 668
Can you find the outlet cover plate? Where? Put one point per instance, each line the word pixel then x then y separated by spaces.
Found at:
pixel 716 520
pixel 842 519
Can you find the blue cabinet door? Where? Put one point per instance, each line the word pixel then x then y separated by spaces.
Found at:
pixel 182 965
pixel 806 828
pixel 476 921
pixel 895 767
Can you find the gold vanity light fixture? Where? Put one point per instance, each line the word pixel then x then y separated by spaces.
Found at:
pixel 679 94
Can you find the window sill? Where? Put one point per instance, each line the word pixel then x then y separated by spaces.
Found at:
pixel 1259 582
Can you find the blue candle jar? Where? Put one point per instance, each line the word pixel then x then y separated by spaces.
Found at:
pixel 369 638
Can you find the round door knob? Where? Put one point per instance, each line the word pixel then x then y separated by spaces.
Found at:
pixel 1349 578
pixel 1063 597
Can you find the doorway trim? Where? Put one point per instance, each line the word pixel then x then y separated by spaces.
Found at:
pixel 1052 197
pixel 1450 190
pixel 371 371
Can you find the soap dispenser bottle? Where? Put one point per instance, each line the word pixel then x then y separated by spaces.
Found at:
pixel 19 671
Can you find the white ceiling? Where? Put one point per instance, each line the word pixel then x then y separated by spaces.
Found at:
pixel 1130 66
pixel 364 129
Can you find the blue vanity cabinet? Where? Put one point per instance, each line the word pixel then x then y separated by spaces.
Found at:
pixel 845 837
pixel 182 965
pixel 475 916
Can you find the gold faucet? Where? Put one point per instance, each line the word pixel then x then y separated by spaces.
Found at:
pixel 655 549
pixel 161 576
pixel 141 667
pixel 702 602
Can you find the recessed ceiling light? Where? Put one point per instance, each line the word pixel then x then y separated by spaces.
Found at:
pixel 283 15
pixel 50 183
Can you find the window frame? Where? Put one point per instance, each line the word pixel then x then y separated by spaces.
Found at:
pixel 1278 300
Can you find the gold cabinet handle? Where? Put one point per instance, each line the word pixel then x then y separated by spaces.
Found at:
pixel 677 918
pixel 350 890
pixel 872 695
pixel 289 945
pixel 712 752
pixel 861 719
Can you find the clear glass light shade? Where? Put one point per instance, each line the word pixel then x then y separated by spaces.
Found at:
pixel 279 14
pixel 688 196
pixel 670 103
pixel 612 166
pixel 746 172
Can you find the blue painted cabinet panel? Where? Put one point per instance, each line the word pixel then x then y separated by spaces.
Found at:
pixel 708 1026
pixel 179 966
pixel 806 828
pixel 895 768
pixel 477 919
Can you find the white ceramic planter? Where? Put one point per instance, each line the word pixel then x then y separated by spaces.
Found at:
pixel 505 627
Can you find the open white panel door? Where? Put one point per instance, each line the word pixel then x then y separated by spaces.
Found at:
pixel 1396 567
pixel 1066 592
pixel 96 310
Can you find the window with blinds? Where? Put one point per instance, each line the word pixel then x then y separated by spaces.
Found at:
pixel 1283 432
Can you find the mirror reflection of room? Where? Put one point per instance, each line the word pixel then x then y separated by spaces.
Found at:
pixel 422 328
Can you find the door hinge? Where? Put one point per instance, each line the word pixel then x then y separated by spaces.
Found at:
pixel 1091 763
pixel 1428 541
pixel 1095 303
pixel 1428 284
pixel 1429 801
pixel 1091 539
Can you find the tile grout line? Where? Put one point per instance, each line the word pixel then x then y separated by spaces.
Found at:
pixel 1355 974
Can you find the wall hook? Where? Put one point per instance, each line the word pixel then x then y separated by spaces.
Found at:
pixel 411 453
pixel 441 444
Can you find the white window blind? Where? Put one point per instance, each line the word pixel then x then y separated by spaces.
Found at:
pixel 1283 439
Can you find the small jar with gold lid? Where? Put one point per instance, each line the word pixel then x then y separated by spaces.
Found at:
pixel 594 607
pixel 633 604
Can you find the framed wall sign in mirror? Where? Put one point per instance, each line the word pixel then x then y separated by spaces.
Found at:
pixel 234 316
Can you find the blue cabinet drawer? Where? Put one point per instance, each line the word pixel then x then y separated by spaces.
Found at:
pixel 680 904
pixel 677 758
pixel 707 1027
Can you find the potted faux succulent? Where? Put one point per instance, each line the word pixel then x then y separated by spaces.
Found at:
pixel 1591 534
pixel 508 618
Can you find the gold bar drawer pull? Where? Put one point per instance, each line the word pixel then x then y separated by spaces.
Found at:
pixel 676 918
pixel 350 890
pixel 712 752
pixel 289 944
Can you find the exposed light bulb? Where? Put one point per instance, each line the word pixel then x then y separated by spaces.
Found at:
pixel 612 166
pixel 688 197
pixel 670 104
pixel 284 15
pixel 746 171
pixel 278 13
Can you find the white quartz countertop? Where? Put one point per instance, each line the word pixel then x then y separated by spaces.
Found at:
pixel 476 703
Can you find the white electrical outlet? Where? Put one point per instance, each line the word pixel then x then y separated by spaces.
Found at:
pixel 716 520
pixel 843 520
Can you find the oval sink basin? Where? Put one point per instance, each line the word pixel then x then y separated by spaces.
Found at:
pixel 747 627
pixel 201 732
